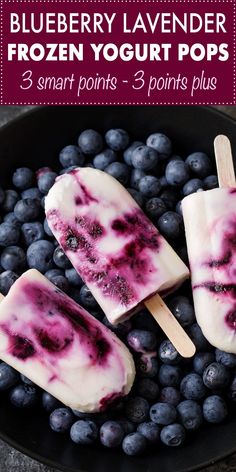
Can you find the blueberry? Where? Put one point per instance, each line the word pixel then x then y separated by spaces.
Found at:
pixel 32 232
pixel 167 353
pixel 163 182
pixel 57 278
pixel 11 197
pixel 155 207
pixel 23 178
pixel 178 208
pixel 71 156
pixel 60 258
pixel 87 299
pixel 173 435
pixel 192 186
pixel 144 158
pixel 81 414
pixel 150 431
pixel 201 360
pixel 214 409
pixel 46 228
pixel 32 193
pixel 119 171
pixel 232 390
pixel 13 258
pixel 61 420
pixel 134 444
pixel 170 395
pixel 40 255
pixel 9 234
pixel 127 156
pixel 67 170
pixel 50 403
pixel 12 220
pixel 98 418
pixel 135 177
pixel 42 171
pixel 127 426
pixel 73 277
pixel 147 389
pixel 198 338
pixel 46 181
pixel 137 196
pixel 84 432
pixel 147 366
pixel 142 341
pixel 182 310
pixel 137 409
pixel 90 141
pixel 177 173
pixel 7 279
pixel 210 182
pixel 23 396
pixel 104 158
pixel 225 358
pixel 190 414
pixel 175 157
pixel 121 329
pixel 42 203
pixel 26 381
pixel 27 210
pixel 170 224
pixel 61 282
pixel 111 434
pixel 74 294
pixel 2 195
pixel 163 413
pixel 216 376
pixel 199 163
pixel 117 139
pixel 161 143
pixel 170 197
pixel 52 273
pixel 8 376
pixel 192 387
pixel 149 186
pixel 170 375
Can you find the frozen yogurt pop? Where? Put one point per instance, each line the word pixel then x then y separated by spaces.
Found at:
pixel 63 349
pixel 118 252
pixel 210 225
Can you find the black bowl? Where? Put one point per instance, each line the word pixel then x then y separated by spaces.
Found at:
pixel 35 140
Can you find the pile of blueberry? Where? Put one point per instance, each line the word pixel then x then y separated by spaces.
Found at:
pixel 171 396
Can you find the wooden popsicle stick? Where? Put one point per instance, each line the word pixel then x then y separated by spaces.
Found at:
pixel 171 327
pixel 224 161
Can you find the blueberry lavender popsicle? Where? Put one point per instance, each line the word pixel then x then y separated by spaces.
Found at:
pixel 112 244
pixel 53 341
pixel 210 226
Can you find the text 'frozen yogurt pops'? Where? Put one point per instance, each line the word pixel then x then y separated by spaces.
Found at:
pixel 52 340
pixel 118 252
pixel 210 225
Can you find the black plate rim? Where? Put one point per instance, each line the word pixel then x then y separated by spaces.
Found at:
pixel 36 109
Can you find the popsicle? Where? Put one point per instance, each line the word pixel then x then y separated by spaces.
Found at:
pixel 210 225
pixel 52 340
pixel 118 252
